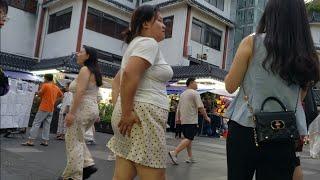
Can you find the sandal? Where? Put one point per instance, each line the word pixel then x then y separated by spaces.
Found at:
pixel 27 144
pixel 44 144
pixel 60 138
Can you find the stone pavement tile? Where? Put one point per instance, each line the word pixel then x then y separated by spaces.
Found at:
pixel 47 163
pixel 22 150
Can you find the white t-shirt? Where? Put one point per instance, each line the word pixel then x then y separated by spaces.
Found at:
pixel 189 103
pixel 67 100
pixel 152 87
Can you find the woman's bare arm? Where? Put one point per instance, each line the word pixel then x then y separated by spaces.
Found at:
pixel 240 65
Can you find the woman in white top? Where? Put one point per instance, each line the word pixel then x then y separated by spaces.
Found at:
pixel 65 105
pixel 141 111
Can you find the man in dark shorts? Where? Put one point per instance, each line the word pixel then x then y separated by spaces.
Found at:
pixel 189 105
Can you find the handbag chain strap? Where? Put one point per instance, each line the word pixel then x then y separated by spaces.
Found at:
pixel 246 98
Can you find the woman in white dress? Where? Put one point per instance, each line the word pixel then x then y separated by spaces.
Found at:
pixel 141 111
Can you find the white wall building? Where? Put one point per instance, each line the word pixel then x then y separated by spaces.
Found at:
pixel 200 29
pixel 315 32
pixel 18 35
pixel 197 30
pixel 314 19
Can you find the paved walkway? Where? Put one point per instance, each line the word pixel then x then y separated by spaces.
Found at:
pixel 47 163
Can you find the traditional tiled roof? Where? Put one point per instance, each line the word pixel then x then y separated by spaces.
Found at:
pixel 16 62
pixel 198 71
pixel 13 62
pixel 109 64
pixel 66 63
pixel 69 64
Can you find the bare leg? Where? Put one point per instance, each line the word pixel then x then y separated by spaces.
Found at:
pixel 189 149
pixel 183 144
pixel 147 173
pixel 124 169
pixel 297 175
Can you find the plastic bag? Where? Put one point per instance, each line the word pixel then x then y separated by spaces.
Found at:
pixel 314 135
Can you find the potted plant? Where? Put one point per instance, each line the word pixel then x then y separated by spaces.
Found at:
pixel 105 112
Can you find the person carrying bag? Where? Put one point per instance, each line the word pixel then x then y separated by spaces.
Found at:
pixel 273 68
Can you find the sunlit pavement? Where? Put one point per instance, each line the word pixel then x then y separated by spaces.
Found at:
pixel 47 163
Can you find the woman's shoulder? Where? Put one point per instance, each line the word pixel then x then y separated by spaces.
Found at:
pixel 145 41
pixel 84 70
pixel 248 40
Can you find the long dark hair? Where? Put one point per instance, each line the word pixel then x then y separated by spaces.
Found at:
pixel 4 6
pixel 141 15
pixel 92 64
pixel 291 52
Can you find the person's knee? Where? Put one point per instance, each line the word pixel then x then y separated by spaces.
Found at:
pixel 147 173
pixel 122 176
pixel 189 142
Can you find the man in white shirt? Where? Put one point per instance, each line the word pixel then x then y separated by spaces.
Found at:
pixel 190 104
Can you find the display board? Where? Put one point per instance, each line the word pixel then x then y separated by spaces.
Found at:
pixel 15 106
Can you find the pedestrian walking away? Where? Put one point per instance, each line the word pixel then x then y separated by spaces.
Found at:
pixel 141 110
pixel 64 109
pixel 83 113
pixel 49 94
pixel 189 105
pixel 278 64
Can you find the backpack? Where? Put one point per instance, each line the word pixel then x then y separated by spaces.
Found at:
pixel 310 107
pixel 4 83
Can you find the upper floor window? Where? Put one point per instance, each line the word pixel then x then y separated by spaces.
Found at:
pixel 206 34
pixel 60 20
pixel 105 24
pixel 245 16
pixel 168 21
pixel 25 5
pixel 143 1
pixel 217 3
pixel 246 3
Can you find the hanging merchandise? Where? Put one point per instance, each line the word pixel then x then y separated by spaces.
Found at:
pixel 222 104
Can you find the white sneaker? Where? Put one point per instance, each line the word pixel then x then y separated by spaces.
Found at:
pixel 111 157
pixel 173 157
pixel 190 160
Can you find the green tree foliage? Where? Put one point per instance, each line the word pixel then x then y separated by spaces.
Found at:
pixel 105 112
pixel 313 6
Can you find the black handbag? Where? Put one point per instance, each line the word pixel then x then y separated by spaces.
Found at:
pixel 275 126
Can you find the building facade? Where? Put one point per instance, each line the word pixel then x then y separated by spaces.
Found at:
pixel 314 19
pixel 197 31
pixel 246 17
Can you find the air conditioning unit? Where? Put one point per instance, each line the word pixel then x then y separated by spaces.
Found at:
pixel 202 56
